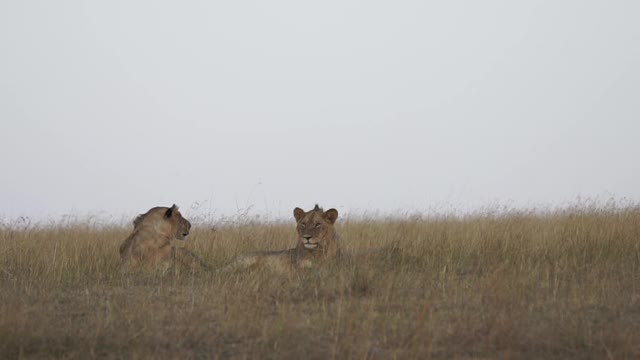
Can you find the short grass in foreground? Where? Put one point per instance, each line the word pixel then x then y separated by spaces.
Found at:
pixel 563 285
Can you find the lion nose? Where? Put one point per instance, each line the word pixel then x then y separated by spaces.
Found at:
pixel 307 237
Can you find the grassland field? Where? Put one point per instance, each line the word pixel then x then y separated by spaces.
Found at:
pixel 518 285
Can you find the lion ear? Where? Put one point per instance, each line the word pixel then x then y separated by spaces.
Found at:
pixel 298 213
pixel 331 215
pixel 170 211
pixel 137 221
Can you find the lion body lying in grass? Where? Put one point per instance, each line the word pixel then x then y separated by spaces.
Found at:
pixel 149 245
pixel 317 242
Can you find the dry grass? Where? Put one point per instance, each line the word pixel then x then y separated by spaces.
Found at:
pixel 562 285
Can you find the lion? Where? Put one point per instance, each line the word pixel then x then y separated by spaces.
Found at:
pixel 150 242
pixel 317 243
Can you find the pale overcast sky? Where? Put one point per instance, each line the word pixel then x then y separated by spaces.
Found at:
pixel 118 106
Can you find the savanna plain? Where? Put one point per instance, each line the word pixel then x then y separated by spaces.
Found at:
pixel 559 284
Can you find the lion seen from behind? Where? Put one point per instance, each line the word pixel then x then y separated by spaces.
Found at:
pixel 149 245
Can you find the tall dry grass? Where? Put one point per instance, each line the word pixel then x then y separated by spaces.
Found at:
pixel 520 285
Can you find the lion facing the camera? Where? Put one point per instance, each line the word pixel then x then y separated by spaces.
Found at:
pixel 317 242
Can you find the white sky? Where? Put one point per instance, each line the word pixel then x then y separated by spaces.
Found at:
pixel 118 106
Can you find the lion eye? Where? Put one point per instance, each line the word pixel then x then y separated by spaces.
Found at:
pixel 318 225
pixel 303 225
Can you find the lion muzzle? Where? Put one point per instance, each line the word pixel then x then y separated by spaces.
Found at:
pixel 307 242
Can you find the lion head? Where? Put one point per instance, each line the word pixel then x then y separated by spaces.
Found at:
pixel 315 229
pixel 167 221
